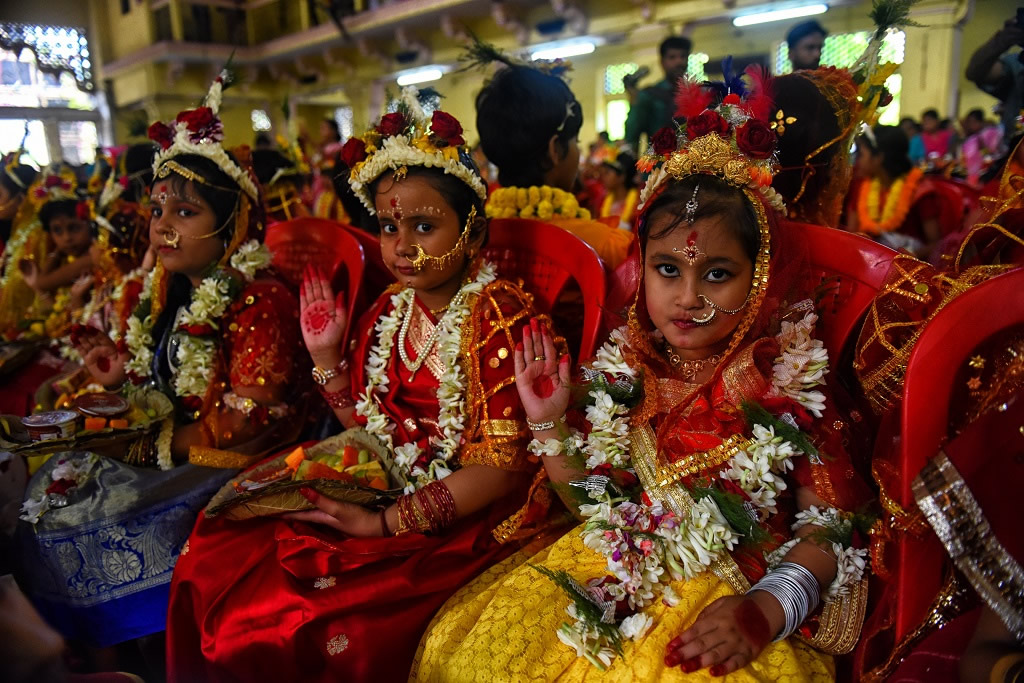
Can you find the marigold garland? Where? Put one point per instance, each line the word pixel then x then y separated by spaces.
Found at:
pixel 897 203
pixel 542 202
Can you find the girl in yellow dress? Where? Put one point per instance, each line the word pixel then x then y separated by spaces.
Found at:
pixel 707 460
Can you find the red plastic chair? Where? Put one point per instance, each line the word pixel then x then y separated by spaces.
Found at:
pixel 944 344
pixel 545 257
pixel 303 241
pixel 850 269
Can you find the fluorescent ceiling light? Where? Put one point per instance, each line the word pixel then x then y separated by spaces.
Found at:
pixel 780 14
pixel 420 76
pixel 574 49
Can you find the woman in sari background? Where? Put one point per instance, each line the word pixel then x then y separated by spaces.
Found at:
pixel 212 339
pixel 340 592
pixel 713 482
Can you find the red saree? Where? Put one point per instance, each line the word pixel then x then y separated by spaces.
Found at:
pixel 269 599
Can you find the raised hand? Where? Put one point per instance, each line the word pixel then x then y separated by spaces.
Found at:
pixel 99 355
pixel 29 272
pixel 79 290
pixel 542 378
pixel 324 318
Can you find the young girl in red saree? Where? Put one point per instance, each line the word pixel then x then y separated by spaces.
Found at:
pixel 340 592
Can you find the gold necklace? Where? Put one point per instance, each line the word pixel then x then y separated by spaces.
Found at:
pixel 690 368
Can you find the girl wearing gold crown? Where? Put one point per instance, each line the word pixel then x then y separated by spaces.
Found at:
pixel 707 458
pixel 339 592
pixel 211 344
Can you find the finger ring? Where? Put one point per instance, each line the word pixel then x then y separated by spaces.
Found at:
pixel 539 358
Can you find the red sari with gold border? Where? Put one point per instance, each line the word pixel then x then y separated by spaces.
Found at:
pixel 270 599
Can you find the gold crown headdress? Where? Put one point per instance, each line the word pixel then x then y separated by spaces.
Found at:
pixel 408 137
pixel 723 130
pixel 200 131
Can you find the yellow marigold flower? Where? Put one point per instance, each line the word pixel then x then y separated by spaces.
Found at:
pixel 534 193
pixel 526 212
pixel 557 198
pixel 451 153
pixel 544 209
pixel 584 214
pixel 522 197
pixel 545 194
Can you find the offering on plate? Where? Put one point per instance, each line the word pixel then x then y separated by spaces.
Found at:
pixel 350 467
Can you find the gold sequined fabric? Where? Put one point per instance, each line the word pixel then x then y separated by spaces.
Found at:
pixel 913 293
pixel 502 627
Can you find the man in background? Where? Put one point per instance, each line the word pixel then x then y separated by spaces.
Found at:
pixel 805 41
pixel 652 107
pixel 998 71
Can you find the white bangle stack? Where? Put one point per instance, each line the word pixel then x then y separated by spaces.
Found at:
pixel 796 589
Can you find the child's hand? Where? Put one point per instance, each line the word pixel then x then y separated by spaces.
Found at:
pixel 100 355
pixel 542 378
pixel 729 634
pixel 80 290
pixel 324 319
pixel 29 272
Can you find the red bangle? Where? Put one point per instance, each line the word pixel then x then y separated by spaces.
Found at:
pixel 339 400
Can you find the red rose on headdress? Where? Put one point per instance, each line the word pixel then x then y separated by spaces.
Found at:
pixel 82 210
pixel 664 141
pixel 197 119
pixel 392 124
pixel 731 98
pixel 756 139
pixel 447 127
pixel 52 181
pixel 706 122
pixel 353 152
pixel 162 134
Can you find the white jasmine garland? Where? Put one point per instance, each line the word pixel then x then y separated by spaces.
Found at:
pixel 802 365
pixel 759 468
pixel 850 562
pixel 450 392
pixel 195 359
pixel 634 627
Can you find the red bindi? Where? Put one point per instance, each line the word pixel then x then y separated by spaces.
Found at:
pixel 692 239
pixel 543 386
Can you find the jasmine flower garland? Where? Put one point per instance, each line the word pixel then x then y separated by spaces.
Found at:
pixel 450 392
pixel 647 546
pixel 197 325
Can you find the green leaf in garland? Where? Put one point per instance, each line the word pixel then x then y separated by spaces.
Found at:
pixel 731 506
pixel 586 609
pixel 756 415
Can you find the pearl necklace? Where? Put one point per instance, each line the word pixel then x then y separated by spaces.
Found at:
pixel 413 366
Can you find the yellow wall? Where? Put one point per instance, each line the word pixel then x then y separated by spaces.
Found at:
pixel 933 72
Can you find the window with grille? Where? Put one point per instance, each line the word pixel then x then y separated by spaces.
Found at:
pixel 843 49
pixel 344 118
pixel 695 66
pixel 613 75
pixel 260 120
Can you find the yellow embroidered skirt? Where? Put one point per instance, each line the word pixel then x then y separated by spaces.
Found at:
pixel 502 627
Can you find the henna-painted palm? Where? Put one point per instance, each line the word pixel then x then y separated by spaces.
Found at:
pixel 542 378
pixel 324 318
pixel 100 356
